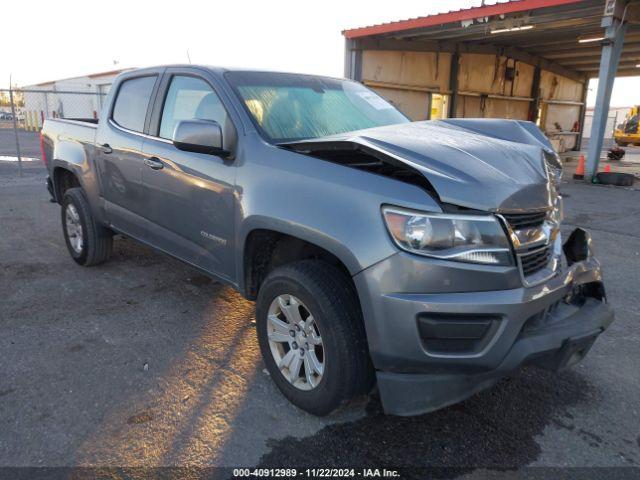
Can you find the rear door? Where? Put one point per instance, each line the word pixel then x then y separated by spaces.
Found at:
pixel 119 154
pixel 190 196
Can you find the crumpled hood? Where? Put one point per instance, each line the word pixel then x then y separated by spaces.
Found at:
pixel 483 164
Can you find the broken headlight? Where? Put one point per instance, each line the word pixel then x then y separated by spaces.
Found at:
pixel 463 238
pixel 554 167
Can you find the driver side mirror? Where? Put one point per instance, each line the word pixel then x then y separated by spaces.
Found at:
pixel 201 136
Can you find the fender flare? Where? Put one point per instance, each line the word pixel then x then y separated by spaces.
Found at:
pixel 302 232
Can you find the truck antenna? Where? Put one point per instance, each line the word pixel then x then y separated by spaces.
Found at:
pixel 188 57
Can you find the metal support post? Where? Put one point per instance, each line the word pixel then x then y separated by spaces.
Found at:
pixel 611 49
pixel 453 85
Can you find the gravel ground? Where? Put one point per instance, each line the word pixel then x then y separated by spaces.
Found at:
pixel 145 362
pixel 29 142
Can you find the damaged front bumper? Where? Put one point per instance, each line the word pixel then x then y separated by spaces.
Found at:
pixel 432 350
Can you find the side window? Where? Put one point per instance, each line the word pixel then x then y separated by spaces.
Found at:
pixel 132 101
pixel 190 98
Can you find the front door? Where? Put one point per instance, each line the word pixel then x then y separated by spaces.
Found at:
pixel 190 196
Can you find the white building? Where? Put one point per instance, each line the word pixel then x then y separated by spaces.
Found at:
pixel 77 97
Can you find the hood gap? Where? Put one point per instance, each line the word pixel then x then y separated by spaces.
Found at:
pixel 361 157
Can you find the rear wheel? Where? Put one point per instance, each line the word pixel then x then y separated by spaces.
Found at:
pixel 312 337
pixel 88 242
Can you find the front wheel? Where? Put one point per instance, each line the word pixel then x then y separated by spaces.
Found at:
pixel 88 242
pixel 312 337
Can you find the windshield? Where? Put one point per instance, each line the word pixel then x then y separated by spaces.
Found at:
pixel 287 107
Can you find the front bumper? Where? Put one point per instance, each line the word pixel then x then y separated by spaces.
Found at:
pixel 432 350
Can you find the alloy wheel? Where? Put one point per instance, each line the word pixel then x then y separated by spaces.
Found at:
pixel 295 342
pixel 74 228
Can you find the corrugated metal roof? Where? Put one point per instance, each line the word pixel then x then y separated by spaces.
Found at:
pixel 452 16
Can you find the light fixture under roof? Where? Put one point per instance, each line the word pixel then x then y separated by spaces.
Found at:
pixel 590 39
pixel 512 29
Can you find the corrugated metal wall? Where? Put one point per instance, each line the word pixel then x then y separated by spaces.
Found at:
pixel 484 88
pixel 407 78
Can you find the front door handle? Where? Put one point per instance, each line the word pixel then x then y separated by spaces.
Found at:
pixel 106 148
pixel 154 163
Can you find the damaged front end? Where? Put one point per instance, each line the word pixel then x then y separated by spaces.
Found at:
pixel 482 176
pixel 450 161
pixel 584 300
pixel 455 344
pixel 361 156
pixel 445 320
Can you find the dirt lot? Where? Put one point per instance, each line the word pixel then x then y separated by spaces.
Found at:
pixel 145 362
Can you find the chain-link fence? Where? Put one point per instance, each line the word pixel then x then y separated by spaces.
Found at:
pixel 608 141
pixel 23 112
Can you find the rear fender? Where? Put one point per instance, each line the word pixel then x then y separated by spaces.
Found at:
pixel 76 157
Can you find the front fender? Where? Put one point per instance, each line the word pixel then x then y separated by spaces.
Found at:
pixel 332 206
pixel 303 232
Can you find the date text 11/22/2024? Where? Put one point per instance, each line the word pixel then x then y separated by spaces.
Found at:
pixel 315 473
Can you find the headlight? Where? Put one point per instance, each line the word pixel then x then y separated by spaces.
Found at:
pixel 464 238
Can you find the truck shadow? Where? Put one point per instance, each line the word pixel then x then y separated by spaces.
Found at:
pixel 495 429
pixel 212 405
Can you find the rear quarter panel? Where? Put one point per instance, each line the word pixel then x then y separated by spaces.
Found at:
pixel 70 145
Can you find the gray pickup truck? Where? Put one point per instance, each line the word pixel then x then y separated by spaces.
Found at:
pixel 425 257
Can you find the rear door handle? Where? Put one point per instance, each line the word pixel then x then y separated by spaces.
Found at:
pixel 154 163
pixel 106 148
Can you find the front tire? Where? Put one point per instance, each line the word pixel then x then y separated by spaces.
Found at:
pixel 312 337
pixel 88 242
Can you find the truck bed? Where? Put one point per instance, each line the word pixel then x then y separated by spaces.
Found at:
pixel 81 130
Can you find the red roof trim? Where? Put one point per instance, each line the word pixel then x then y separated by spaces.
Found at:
pixel 457 16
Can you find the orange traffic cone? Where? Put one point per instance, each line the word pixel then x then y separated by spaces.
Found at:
pixel 579 175
pixel 607 168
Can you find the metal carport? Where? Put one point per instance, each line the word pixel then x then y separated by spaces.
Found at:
pixel 526 59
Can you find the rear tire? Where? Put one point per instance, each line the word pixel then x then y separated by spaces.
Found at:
pixel 321 291
pixel 88 242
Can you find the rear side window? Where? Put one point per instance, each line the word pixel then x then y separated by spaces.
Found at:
pixel 130 108
pixel 190 98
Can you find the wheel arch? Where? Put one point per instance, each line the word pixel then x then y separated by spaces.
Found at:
pixel 265 248
pixel 64 178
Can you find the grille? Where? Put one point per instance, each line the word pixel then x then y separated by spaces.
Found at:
pixel 519 221
pixel 535 261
